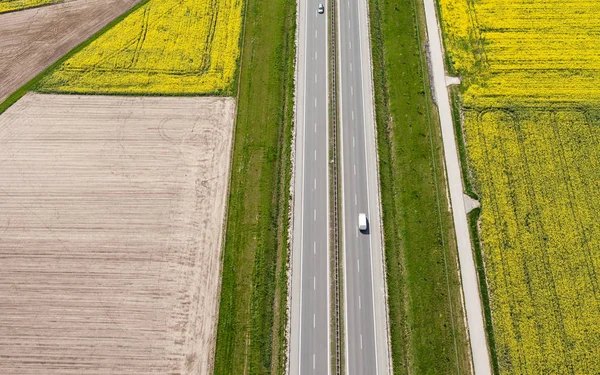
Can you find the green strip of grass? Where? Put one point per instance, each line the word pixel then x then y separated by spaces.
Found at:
pixel 29 86
pixel 460 141
pixel 473 218
pixel 252 317
pixel 426 317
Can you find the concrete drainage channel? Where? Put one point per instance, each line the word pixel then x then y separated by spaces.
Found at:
pixel 336 318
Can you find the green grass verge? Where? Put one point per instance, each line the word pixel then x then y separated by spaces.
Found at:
pixel 473 218
pixel 252 316
pixel 460 141
pixel 30 86
pixel 426 318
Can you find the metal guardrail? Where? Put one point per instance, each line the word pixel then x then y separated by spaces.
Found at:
pixel 334 173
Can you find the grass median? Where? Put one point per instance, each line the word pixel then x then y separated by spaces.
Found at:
pixel 252 316
pixel 428 333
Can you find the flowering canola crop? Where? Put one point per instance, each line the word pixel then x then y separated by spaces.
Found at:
pixel 170 47
pixel 12 5
pixel 531 106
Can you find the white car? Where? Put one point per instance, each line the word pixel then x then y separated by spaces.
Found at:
pixel 321 9
pixel 362 222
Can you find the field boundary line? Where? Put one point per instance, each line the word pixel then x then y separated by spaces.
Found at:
pixel 31 85
pixel 229 180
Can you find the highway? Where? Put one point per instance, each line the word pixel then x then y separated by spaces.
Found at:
pixel 366 334
pixel 310 308
pixel 365 312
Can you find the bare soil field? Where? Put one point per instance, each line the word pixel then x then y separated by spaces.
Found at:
pixel 33 39
pixel 111 216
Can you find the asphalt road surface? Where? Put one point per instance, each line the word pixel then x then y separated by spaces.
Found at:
pixel 309 341
pixel 479 348
pixel 366 332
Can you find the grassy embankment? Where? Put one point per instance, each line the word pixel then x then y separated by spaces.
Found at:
pixel 424 295
pixel 252 316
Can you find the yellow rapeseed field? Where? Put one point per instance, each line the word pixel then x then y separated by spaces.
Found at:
pixel 12 5
pixel 170 47
pixel 531 116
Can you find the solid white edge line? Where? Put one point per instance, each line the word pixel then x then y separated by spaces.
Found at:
pixel 368 194
pixel 326 159
pixel 302 190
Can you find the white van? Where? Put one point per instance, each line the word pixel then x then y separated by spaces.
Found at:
pixel 362 221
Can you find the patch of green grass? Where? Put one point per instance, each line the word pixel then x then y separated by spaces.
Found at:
pixel 252 317
pixel 460 141
pixel 473 218
pixel 426 317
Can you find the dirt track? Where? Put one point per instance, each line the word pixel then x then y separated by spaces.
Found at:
pixel 111 213
pixel 33 39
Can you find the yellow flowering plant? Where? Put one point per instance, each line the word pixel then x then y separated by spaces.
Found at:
pixel 12 5
pixel 166 47
pixel 531 95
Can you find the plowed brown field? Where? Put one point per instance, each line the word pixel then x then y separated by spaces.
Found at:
pixel 111 215
pixel 33 39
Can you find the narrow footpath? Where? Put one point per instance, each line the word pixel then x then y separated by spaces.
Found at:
pixel 478 339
